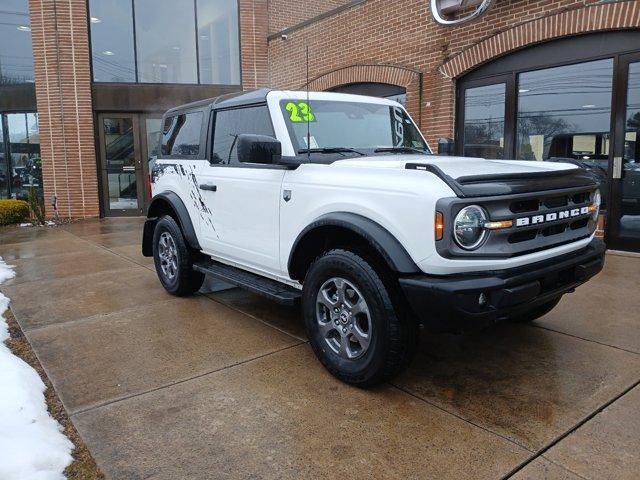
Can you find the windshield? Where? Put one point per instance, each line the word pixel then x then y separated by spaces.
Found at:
pixel 350 125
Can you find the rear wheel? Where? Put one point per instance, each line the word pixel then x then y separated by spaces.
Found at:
pixel 351 322
pixel 174 260
pixel 536 312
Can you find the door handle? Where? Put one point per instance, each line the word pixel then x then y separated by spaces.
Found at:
pixel 209 187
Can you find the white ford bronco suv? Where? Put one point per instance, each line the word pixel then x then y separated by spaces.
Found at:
pixel 336 201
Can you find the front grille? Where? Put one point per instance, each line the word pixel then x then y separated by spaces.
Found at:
pixel 554 230
pixel 540 221
pixel 525 236
pixel 556 202
pixel 534 204
pixel 523 206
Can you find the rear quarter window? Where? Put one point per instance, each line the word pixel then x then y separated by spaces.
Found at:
pixel 181 135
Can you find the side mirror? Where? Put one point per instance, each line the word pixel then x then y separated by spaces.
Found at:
pixel 445 146
pixel 258 149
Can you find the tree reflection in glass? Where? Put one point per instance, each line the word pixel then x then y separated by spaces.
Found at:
pixel 564 115
pixel 484 109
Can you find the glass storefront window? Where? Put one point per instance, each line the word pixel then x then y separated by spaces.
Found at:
pixel 154 41
pixel 630 201
pixel 112 50
pixel 574 100
pixel 4 165
pixel 20 164
pixel 565 113
pixel 165 41
pixel 16 56
pixel 484 109
pixel 218 42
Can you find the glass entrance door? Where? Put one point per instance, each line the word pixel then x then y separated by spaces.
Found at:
pixel 129 144
pixel 121 165
pixel 624 217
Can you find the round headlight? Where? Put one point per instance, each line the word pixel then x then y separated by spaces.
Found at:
pixel 468 227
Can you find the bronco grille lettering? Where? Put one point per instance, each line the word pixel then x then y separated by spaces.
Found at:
pixel 551 217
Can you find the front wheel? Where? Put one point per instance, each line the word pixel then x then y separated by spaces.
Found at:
pixel 174 260
pixel 351 322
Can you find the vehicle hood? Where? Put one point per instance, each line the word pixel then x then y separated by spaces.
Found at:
pixel 478 177
pixel 457 167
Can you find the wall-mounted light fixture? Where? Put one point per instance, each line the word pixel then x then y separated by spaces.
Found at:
pixel 441 8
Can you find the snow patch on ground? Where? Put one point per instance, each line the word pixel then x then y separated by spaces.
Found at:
pixel 32 446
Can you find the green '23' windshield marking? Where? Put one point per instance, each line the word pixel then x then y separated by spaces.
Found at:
pixel 300 112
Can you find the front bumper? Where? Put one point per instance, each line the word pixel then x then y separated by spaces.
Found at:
pixel 452 303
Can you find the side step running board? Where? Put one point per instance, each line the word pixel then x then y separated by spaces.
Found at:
pixel 272 289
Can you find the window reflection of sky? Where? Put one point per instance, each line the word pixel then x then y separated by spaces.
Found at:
pixel 16 57
pixel 484 121
pixel 112 41
pixel 578 96
pixel 165 41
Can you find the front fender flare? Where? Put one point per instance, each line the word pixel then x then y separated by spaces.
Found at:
pixel 388 246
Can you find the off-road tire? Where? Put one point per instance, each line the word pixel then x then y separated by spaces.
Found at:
pixel 536 312
pixel 186 280
pixel 393 338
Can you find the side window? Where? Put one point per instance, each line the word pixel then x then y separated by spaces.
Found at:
pixel 181 134
pixel 231 123
pixel 167 139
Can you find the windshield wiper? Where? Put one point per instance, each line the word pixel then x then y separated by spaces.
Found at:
pixel 330 150
pixel 401 150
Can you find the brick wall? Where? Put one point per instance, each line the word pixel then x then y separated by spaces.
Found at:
pixel 286 13
pixel 254 26
pixel 63 91
pixel 403 33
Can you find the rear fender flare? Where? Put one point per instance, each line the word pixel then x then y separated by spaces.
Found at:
pixel 168 203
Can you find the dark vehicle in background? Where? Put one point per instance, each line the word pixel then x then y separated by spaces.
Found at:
pixel 27 176
pixel 590 151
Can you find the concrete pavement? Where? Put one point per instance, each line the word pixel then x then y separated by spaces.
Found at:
pixel 224 385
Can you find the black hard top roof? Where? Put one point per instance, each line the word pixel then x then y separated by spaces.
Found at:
pixel 229 100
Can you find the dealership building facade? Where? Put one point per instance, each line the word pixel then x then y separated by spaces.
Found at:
pixel 83 83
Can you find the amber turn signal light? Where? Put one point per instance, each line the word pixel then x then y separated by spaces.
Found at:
pixel 498 225
pixel 439 226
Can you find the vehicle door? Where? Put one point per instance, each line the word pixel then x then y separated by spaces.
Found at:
pixel 244 198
